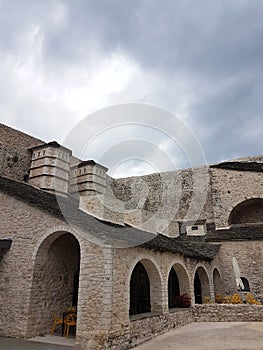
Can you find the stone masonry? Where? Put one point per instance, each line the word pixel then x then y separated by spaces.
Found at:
pixel 78 236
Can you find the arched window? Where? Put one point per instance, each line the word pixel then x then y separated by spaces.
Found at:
pixel 218 287
pixel 173 288
pixel 201 285
pixel 139 291
pixel 198 290
pixel 245 287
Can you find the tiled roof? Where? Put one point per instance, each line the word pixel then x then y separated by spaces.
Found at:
pixel 108 233
pixel 196 250
pixel 240 232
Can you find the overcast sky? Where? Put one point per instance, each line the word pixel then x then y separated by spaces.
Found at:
pixel 61 61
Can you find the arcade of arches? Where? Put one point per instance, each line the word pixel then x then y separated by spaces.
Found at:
pixel 141 290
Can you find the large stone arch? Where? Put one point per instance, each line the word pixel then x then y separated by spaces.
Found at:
pixel 183 281
pixel 248 211
pixel 155 283
pixel 55 280
pixel 201 284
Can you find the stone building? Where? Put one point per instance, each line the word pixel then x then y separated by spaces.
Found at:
pixel 123 251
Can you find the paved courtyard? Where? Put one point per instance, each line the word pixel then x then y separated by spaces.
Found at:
pixel 58 343
pixel 210 335
pixel 196 336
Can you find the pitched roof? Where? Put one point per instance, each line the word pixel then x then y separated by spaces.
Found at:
pixel 67 209
pixel 196 250
pixel 240 232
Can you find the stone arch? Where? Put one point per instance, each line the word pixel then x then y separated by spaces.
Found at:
pixel 151 277
pixel 54 282
pixel 248 211
pixel 217 282
pixel 179 286
pixel 52 234
pixel 201 285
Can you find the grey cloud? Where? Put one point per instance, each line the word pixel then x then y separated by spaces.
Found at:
pixel 208 53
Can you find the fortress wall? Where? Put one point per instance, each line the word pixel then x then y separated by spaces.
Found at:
pixel 14 155
pixel 229 188
pixel 168 197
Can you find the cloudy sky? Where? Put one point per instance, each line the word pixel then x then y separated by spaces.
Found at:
pixel 199 60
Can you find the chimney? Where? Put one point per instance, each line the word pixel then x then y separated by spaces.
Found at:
pixel 88 177
pixel 50 166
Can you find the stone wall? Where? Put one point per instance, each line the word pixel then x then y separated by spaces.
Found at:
pixel 36 273
pixel 249 256
pixel 157 202
pixel 24 225
pixel 231 187
pixel 145 329
pixel 227 313
pixel 158 266
pixel 14 155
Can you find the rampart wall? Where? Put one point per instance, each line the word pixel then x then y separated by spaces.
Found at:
pixel 170 197
pixel 15 157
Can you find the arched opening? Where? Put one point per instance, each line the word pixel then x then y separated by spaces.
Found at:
pixel 244 286
pixel 139 291
pixel 201 285
pixel 198 290
pixel 75 294
pixel 173 288
pixel 55 281
pixel 145 288
pixel 218 287
pixel 178 287
pixel 249 211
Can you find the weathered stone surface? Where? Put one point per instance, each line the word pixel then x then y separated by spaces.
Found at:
pixel 186 224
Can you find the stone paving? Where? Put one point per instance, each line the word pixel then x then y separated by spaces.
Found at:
pixel 210 336
pixel 195 336
pixel 35 344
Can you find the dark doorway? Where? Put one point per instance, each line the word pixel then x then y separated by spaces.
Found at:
pixel 173 288
pixel 75 289
pixel 245 284
pixel 139 291
pixel 198 290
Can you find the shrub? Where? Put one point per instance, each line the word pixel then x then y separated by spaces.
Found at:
pixel 207 300
pixel 227 299
pixel 250 299
pixel 219 299
pixel 183 300
pixel 236 299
